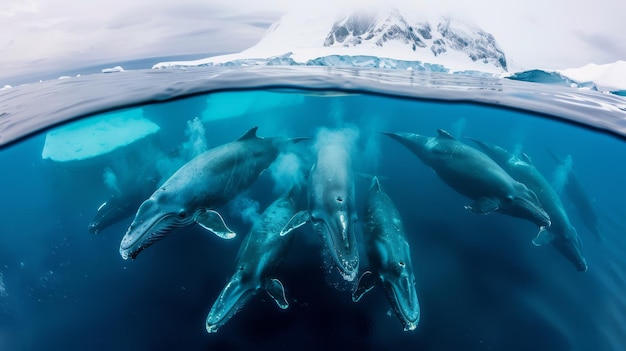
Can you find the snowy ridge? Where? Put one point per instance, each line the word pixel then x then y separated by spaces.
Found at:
pixel 426 41
pixel 387 34
pixel 611 76
pixel 393 39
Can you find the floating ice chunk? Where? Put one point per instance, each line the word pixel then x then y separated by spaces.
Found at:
pixel 235 104
pixel 113 69
pixel 96 136
pixel 610 76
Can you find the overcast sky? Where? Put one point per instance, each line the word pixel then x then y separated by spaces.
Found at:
pixel 48 35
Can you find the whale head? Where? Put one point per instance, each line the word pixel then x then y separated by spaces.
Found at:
pixel 155 218
pixel 111 211
pixel 233 297
pixel 399 284
pixel 570 246
pixel 102 219
pixel 525 204
pixel 337 230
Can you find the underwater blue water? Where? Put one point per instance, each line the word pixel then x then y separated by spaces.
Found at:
pixel 481 284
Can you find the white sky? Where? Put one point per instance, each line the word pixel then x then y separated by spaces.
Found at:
pixel 49 35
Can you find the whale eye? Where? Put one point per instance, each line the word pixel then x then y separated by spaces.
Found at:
pixel 182 214
pixel 339 199
pixel 508 199
pixel 401 263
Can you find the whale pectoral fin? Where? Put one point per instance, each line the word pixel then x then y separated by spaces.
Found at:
pixel 543 237
pixel 367 281
pixel 213 222
pixel 296 221
pixel 483 205
pixel 276 291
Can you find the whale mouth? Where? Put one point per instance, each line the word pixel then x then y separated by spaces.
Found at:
pixel 570 245
pixel 230 301
pixel 342 246
pixel 150 225
pixel 529 210
pixel 403 298
pixel 95 227
pixel 136 240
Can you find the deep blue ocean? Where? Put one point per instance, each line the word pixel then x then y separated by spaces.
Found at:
pixel 481 283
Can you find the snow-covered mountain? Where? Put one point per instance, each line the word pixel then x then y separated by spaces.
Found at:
pixel 390 38
pixel 428 41
pixel 407 40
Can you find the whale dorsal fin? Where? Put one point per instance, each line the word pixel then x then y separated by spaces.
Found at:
pixel 251 134
pixel 556 158
pixel 375 184
pixel 444 134
pixel 526 158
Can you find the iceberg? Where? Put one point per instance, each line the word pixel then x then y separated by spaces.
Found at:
pixel 391 39
pixel 235 104
pixel 113 69
pixel 610 78
pixel 93 137
pixel 607 77
pixel 551 78
pixel 384 39
pixel 103 151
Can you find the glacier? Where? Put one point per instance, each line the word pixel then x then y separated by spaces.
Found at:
pixel 390 39
pixel 384 39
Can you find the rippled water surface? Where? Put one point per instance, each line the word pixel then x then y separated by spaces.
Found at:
pixel 481 283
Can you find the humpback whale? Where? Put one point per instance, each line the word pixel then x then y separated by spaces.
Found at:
pixel 194 191
pixel 133 192
pixel 389 258
pixel 578 196
pixel 261 252
pixel 561 232
pixel 124 204
pixel 476 176
pixel 331 208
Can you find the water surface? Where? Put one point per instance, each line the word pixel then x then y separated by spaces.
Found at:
pixel 482 285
